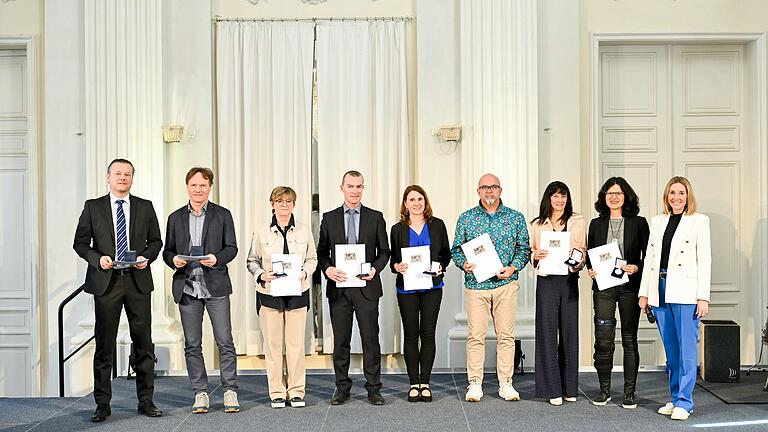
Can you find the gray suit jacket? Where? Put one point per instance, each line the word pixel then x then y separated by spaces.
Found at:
pixel 218 239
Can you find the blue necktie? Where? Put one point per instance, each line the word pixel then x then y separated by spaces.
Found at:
pixel 122 238
pixel 351 231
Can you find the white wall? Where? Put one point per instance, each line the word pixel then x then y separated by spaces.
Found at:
pixel 188 86
pixel 64 184
pixel 564 28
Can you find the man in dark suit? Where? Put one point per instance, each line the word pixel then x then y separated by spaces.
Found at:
pixel 206 229
pixel 353 223
pixel 110 227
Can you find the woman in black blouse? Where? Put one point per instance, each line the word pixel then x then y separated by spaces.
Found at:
pixel 618 207
pixel 419 308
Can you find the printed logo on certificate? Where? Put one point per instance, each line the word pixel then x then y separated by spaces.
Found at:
pixel 349 259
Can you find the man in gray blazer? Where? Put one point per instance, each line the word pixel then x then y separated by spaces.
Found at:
pixel 202 228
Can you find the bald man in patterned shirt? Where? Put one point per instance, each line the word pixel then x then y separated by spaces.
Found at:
pixel 496 296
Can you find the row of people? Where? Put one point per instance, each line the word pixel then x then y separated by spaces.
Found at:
pixel 668 267
pixel 206 229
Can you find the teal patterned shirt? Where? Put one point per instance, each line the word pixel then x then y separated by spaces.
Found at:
pixel 509 234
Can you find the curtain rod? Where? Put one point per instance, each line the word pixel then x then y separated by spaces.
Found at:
pixel 313 19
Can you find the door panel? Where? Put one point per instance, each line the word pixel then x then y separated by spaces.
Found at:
pixel 683 110
pixel 17 314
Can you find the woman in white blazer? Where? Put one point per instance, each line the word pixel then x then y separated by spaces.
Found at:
pixel 675 284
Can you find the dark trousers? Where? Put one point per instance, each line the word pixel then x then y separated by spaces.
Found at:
pixel 419 314
pixel 122 292
pixel 191 313
pixel 605 303
pixel 557 336
pixel 349 302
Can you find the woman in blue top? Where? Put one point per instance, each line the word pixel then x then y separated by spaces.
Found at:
pixel 419 308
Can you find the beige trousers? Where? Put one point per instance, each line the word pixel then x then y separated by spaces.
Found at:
pixel 290 326
pixel 501 304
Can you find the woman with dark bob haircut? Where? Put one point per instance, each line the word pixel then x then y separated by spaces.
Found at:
pixel 618 221
pixel 557 299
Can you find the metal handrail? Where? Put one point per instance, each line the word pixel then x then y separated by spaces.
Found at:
pixel 63 359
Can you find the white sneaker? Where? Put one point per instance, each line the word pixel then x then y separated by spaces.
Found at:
pixel 570 398
pixel 230 402
pixel 201 403
pixel 508 392
pixel 556 401
pixel 474 391
pixel 680 414
pixel 666 409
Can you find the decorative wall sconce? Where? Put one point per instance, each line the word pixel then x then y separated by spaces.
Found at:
pixel 173 133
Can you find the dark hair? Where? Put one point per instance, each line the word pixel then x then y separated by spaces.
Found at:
pixel 351 173
pixel 631 205
pixel 207 174
pixel 120 160
pixel 545 208
pixel 427 207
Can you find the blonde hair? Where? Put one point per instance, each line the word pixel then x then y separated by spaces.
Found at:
pixel 690 205
pixel 282 191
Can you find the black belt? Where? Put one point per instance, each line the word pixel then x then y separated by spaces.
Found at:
pixel 662 274
pixel 122 272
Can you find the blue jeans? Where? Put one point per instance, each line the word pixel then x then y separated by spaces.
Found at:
pixel 679 328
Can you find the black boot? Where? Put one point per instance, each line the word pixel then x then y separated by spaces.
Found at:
pixel 604 396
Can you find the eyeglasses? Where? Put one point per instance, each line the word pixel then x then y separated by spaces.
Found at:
pixel 614 194
pixel 284 202
pixel 485 188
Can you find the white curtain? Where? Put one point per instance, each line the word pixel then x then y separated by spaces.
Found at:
pixel 264 111
pixel 363 124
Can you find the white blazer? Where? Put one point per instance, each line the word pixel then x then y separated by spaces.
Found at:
pixel 689 267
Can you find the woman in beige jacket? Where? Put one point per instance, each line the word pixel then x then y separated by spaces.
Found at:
pixel 281 307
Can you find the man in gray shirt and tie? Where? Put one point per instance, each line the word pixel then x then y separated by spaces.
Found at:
pixel 202 228
pixel 353 223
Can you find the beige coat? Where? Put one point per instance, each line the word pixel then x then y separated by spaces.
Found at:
pixel 268 240
pixel 577 227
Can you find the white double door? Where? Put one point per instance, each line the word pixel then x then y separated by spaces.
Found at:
pixel 668 109
pixel 19 358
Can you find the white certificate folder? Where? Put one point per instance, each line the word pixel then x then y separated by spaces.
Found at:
pixel 481 251
pixel 349 259
pixel 289 285
pixel 603 259
pixel 418 262
pixel 558 244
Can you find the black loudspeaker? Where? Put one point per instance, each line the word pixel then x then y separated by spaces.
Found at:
pixel 719 351
pixel 519 357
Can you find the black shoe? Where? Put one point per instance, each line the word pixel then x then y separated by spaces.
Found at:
pixel 426 394
pixel 102 412
pixel 339 398
pixel 414 397
pixel 602 398
pixel 375 398
pixel 629 401
pixel 278 403
pixel 149 409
